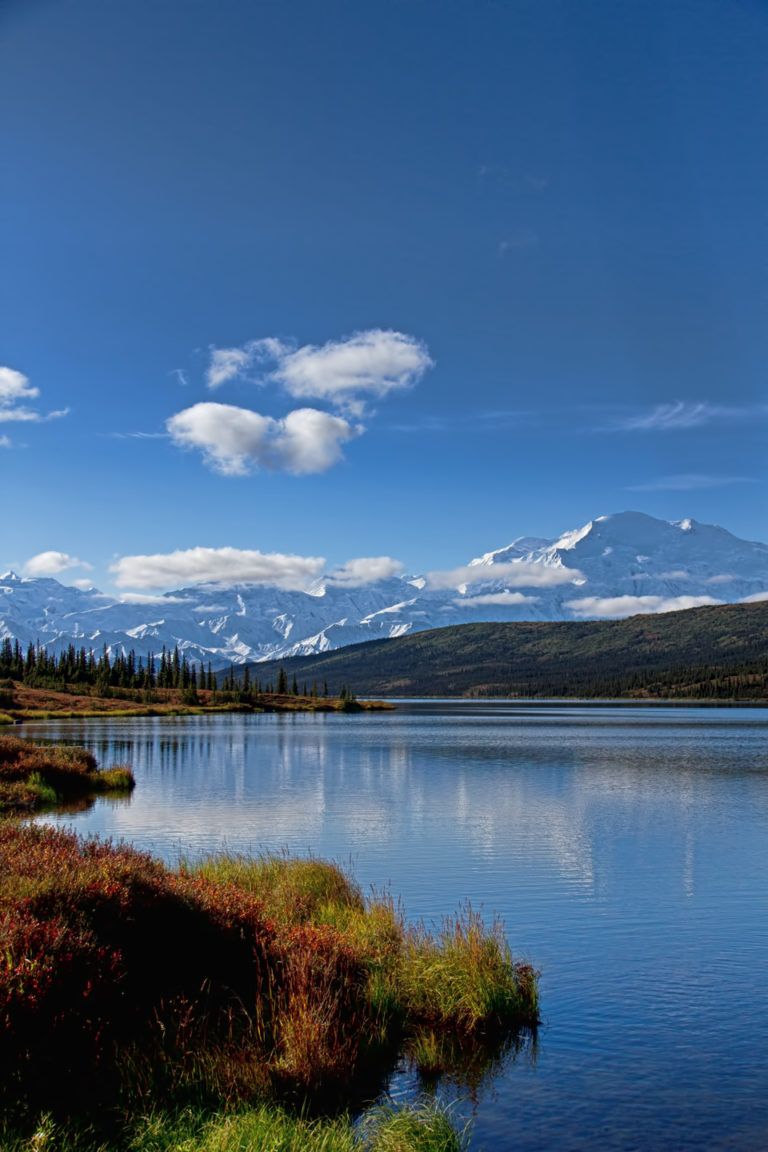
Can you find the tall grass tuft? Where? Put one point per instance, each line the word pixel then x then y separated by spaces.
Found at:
pixel 465 978
pixel 424 1127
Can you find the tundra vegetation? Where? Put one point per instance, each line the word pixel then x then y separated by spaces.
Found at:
pixel 229 1003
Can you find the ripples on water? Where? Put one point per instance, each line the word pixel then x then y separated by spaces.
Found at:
pixel 626 849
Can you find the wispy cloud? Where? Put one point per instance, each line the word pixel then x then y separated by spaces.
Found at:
pixel 617 607
pixel 680 416
pixel 15 393
pixel 342 372
pixel 5 442
pixel 52 563
pixel 499 418
pixel 518 574
pixel 688 481
pixel 236 441
pixel 669 417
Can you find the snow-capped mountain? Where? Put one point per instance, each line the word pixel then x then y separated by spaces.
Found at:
pixel 614 566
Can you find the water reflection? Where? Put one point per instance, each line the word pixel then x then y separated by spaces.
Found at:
pixel 625 848
pixel 541 788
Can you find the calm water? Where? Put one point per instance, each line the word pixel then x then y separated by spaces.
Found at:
pixel 625 848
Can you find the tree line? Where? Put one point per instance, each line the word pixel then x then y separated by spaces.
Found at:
pixel 73 667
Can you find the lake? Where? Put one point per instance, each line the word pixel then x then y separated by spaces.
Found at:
pixel 625 848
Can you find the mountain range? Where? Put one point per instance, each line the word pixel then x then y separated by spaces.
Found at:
pixel 614 566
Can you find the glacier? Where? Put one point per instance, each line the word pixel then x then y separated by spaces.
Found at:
pixel 613 566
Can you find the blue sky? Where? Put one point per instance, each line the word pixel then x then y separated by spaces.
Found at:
pixel 396 280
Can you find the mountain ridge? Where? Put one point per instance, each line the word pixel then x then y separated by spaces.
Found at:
pixel 612 567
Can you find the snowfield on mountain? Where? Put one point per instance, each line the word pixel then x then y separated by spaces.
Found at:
pixel 615 566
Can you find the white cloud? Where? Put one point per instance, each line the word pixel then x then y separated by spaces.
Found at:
pixel 722 578
pixel 518 575
pixel 51 563
pixel 612 607
pixel 373 363
pixel 15 390
pixel 755 598
pixel 5 442
pixel 504 597
pixel 216 566
pixel 365 570
pixel 235 441
pixel 226 364
pixel 15 387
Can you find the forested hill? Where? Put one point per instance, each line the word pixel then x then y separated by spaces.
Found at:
pixel 713 652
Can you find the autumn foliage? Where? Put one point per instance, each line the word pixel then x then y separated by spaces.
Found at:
pixel 122 978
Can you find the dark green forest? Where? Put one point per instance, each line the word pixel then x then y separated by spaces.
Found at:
pixel 712 653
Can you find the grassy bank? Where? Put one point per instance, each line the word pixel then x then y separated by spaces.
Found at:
pixel 21 702
pixel 33 776
pixel 127 988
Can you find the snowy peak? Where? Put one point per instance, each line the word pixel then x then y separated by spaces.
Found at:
pixel 613 566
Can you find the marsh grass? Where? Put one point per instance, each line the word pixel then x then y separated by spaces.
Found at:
pixel 34 776
pixel 124 983
pixel 464 978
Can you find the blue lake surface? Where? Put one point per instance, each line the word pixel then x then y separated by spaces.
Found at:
pixel 625 848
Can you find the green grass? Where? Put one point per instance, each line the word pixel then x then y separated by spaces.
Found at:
pixel 419 1127
pixel 465 978
pixel 424 1127
pixel 293 890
